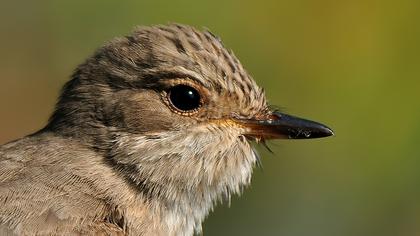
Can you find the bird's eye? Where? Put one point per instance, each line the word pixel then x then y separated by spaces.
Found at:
pixel 184 98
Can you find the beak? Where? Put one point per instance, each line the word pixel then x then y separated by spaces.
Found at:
pixel 282 126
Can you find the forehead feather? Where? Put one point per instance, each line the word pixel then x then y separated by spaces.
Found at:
pixel 198 53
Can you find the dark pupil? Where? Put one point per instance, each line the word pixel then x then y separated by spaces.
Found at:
pixel 184 97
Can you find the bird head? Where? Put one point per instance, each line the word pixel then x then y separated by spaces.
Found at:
pixel 174 112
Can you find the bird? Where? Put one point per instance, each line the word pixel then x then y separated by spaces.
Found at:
pixel 148 135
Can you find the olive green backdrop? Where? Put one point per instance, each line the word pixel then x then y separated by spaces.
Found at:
pixel 354 65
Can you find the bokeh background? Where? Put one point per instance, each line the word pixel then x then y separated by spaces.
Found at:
pixel 354 65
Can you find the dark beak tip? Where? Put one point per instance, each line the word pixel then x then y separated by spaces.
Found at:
pixel 283 126
pixel 311 133
pixel 298 128
pixel 326 132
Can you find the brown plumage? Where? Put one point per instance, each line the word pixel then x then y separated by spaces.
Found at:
pixel 147 136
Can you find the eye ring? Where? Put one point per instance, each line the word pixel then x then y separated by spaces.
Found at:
pixel 184 99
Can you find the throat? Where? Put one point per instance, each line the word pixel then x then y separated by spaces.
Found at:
pixel 185 214
pixel 178 208
pixel 173 208
pixel 180 182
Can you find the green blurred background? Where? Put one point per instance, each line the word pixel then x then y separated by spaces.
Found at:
pixel 354 65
